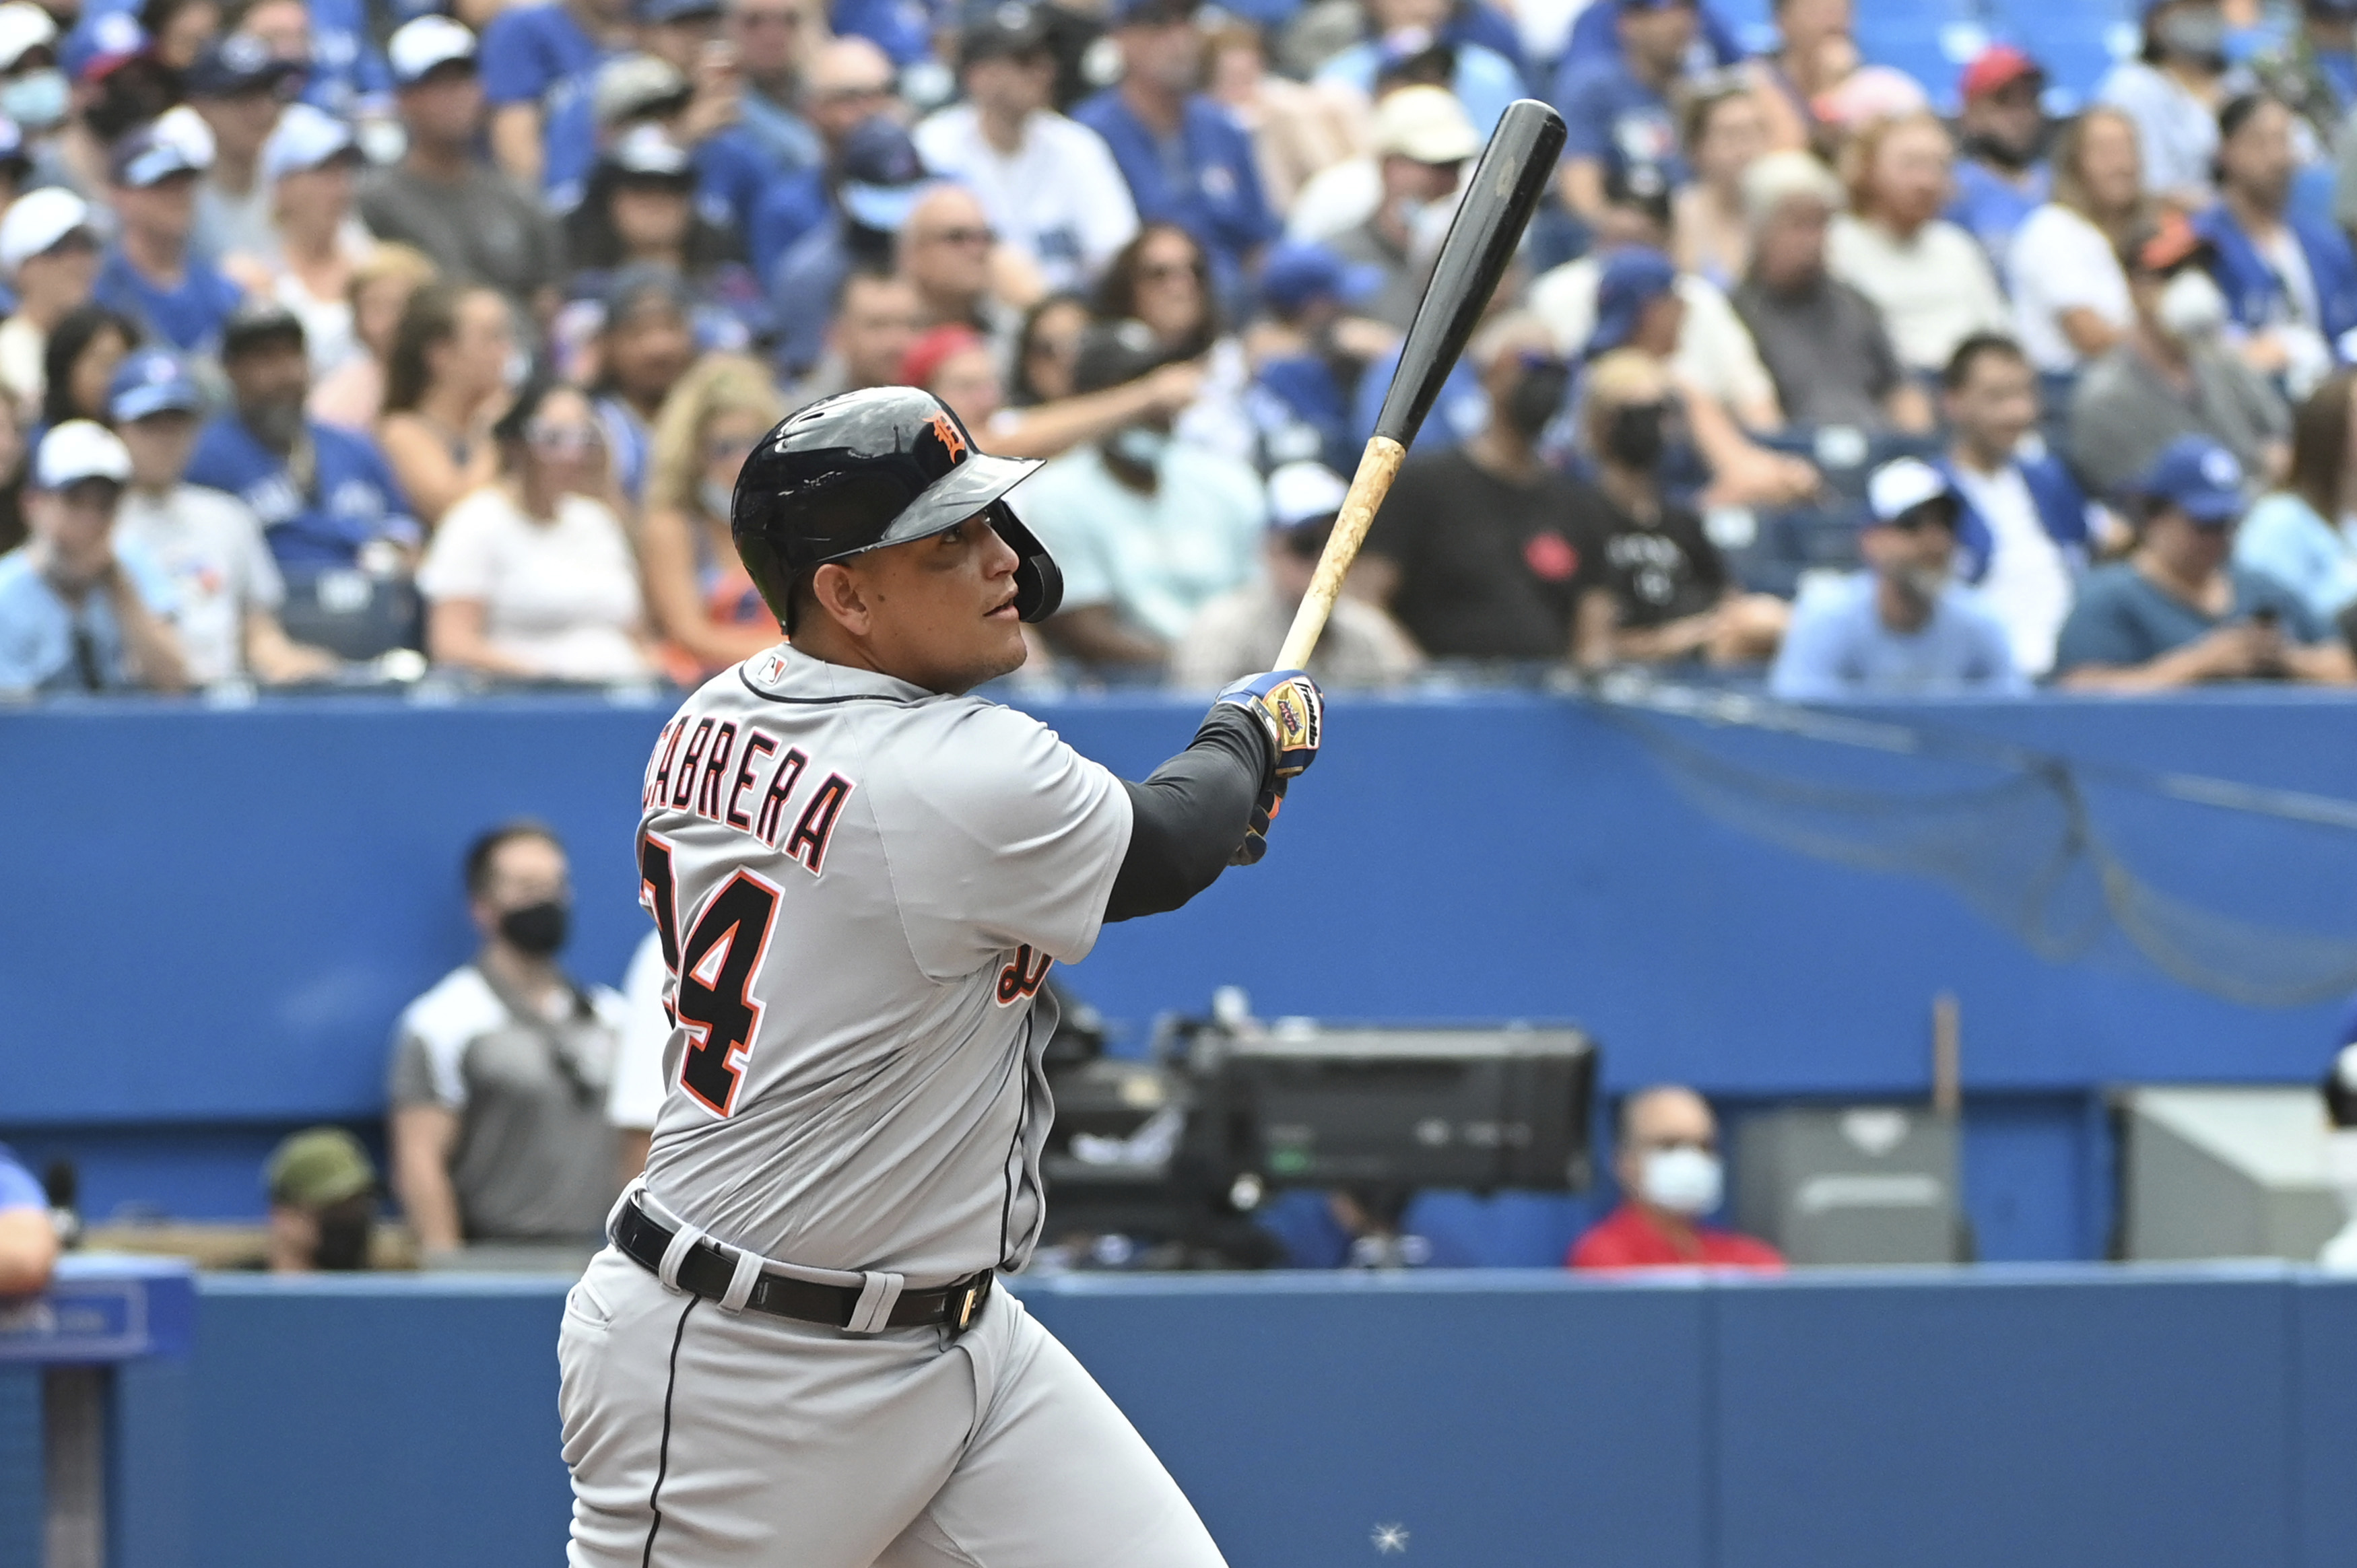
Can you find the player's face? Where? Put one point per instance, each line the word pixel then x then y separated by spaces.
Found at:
pixel 938 613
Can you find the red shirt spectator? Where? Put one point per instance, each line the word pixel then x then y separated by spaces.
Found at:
pixel 1631 1237
pixel 1667 1163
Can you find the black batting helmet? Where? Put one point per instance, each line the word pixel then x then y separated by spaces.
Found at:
pixel 865 469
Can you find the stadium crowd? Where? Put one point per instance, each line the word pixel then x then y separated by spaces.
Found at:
pixel 346 341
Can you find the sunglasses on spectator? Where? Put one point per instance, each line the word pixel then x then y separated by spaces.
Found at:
pixel 563 440
pixel 963 235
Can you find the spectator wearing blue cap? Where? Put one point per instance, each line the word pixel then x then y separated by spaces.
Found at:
pixel 1305 360
pixel 1186 160
pixel 1617 108
pixel 80 611
pixel 441 198
pixel 226 589
pixel 1904 627
pixel 1239 632
pixel 872 188
pixel 1047 184
pixel 238 86
pixel 49 256
pixel 151 274
pixel 536 59
pixel 1422 39
pixel 315 241
pixel 2178 612
pixel 2173 90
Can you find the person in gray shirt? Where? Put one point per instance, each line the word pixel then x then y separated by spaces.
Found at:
pixel 499 1072
pixel 442 198
pixel 2170 375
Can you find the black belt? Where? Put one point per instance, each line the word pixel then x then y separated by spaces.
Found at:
pixel 706 1271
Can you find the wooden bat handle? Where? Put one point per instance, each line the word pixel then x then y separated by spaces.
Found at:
pixel 1379 465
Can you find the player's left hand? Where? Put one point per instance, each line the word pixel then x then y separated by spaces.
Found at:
pixel 1292 713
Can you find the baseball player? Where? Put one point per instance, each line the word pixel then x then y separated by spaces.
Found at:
pixel 793 1353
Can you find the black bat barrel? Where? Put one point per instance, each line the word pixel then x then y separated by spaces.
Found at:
pixel 1499 200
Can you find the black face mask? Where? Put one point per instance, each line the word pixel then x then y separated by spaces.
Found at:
pixel 1635 438
pixel 1534 399
pixel 537 929
pixel 1985 148
pixel 343 1241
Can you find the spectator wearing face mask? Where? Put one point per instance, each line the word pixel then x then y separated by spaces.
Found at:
pixel 1146 528
pixel 2290 282
pixel 2173 90
pixel 2173 374
pixel 2002 177
pixel 323 1191
pixel 500 1073
pixel 1902 628
pixel 1666 1160
pixel 34 94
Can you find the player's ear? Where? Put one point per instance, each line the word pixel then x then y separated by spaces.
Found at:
pixel 841 598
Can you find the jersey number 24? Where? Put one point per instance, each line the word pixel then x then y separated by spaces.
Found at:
pixel 715 963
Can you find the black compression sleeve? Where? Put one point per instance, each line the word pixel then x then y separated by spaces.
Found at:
pixel 1191 816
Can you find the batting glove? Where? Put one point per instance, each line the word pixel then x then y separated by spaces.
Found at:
pixel 1290 710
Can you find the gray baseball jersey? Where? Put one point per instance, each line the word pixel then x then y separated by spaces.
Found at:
pixel 860 885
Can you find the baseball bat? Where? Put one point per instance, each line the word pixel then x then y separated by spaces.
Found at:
pixel 1504 190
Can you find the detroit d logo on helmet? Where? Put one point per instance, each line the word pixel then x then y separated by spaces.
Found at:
pixel 946 432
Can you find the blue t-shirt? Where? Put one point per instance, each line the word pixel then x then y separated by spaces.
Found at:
pixel 1459 414
pixel 1300 409
pixel 2282 538
pixel 2124 619
pixel 539 54
pixel 1619 122
pixel 18 1188
pixel 189 317
pixel 39 630
pixel 1204 180
pixel 903 30
pixel 1837 646
pixel 1989 206
pixel 354 496
pixel 347 68
pixel 1596 34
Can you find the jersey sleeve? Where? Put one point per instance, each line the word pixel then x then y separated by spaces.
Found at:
pixel 999 835
pixel 424 1076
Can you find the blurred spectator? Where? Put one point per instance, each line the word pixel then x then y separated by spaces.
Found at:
pixel 1931 283
pixel 1305 360
pixel 2313 72
pixel 2002 177
pixel 351 395
pixel 874 183
pixel 1725 134
pixel 2070 294
pixel 1904 627
pixel 868 330
pixel 1187 162
pixel 770 37
pixel 78 611
pixel 1476 551
pixel 640 210
pixel 325 496
pixel 178 31
pixel 1814 52
pixel 2170 375
pixel 28 1239
pixel 34 94
pixel 1162 278
pixel 1146 528
pixel 634 1099
pixel 238 86
pixel 1667 1163
pixel 2024 529
pixel 1419 147
pixel 644 346
pixel 537 59
pixel 499 1072
pixel 150 273
pixel 120 85
pixel 322 1203
pixel 1822 342
pixel 531 577
pixel 2298 535
pixel 1239 632
pixel 1299 128
pixel 49 256
pixel 957 364
pixel 446 385
pixel 2176 613
pixel 703 605
pixel 79 361
pixel 441 197
pixel 944 252
pixel 2173 89
pixel 1045 349
pixel 313 241
pixel 1421 37
pixel 2290 282
pixel 13 467
pixel 225 588
pixel 1616 107
pixel 1422 141
pixel 1047 184
pixel 1652 587
pixel 850 83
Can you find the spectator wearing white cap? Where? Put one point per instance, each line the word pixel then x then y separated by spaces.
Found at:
pixel 1421 140
pixel 153 274
pixel 226 589
pixel 76 612
pixel 1239 632
pixel 49 255
pixel 33 91
pixel 239 86
pixel 441 197
pixel 1902 628
pixel 315 238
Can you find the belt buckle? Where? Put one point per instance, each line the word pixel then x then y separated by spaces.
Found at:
pixel 970 1299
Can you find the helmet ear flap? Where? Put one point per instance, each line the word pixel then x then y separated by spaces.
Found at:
pixel 1039 580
